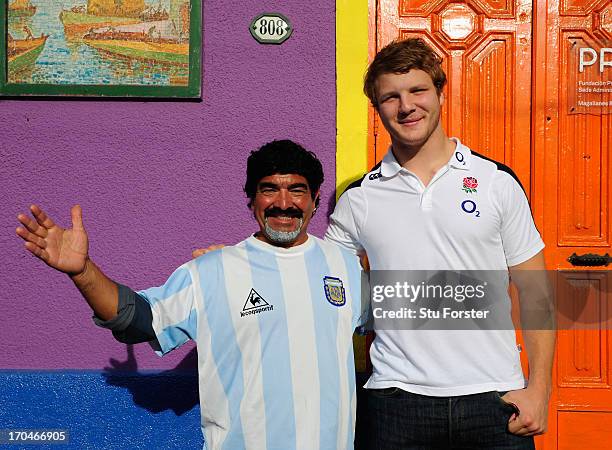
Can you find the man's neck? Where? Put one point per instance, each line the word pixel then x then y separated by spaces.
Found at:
pixel 425 160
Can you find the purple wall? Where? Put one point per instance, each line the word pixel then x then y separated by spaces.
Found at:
pixel 155 179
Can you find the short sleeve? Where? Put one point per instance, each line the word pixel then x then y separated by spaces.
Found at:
pixel 173 309
pixel 520 237
pixel 344 229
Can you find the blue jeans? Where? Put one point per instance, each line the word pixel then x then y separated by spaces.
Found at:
pixel 402 420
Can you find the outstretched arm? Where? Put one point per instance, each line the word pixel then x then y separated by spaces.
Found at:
pixel 100 291
pixel 66 250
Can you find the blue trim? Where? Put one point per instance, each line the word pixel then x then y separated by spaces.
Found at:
pixel 104 410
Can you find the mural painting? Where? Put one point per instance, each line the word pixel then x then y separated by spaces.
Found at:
pixel 98 42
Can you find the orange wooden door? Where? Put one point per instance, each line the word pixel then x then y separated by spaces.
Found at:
pixel 486 48
pixel 572 200
pixel 509 63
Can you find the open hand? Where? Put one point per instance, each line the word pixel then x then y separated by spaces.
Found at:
pixel 63 249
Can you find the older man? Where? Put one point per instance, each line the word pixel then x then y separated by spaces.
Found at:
pixel 272 316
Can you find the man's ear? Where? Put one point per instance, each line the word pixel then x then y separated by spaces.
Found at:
pixel 442 98
pixel 316 202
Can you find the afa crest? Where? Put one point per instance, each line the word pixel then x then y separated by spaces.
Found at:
pixel 334 291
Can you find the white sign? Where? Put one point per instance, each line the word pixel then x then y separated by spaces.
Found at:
pixel 270 28
pixel 592 58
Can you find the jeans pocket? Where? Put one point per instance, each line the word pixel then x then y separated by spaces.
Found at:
pixel 386 392
pixel 508 406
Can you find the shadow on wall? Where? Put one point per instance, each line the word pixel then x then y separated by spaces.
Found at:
pixel 175 389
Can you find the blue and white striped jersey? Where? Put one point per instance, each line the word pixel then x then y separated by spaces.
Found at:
pixel 274 330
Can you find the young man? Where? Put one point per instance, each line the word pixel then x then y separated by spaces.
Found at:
pixel 433 204
pixel 273 316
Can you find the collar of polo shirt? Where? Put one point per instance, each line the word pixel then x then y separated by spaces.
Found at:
pixel 460 159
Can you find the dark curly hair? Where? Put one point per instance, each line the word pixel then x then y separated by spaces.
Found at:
pixel 283 157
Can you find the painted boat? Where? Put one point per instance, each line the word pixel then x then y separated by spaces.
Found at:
pixel 79 24
pixel 21 8
pixel 22 53
pixel 101 13
pixel 127 8
pixel 158 52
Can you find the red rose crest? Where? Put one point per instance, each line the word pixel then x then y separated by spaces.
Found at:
pixel 470 184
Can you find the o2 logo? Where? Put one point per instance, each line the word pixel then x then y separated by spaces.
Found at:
pixel 460 158
pixel 469 206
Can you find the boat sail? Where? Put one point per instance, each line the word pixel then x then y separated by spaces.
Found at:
pixel 115 8
pixel 100 13
pixel 21 4
pixel 21 8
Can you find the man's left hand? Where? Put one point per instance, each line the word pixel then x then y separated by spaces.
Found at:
pixel 532 402
pixel 202 251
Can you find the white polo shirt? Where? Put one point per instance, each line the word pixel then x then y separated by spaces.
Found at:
pixel 473 215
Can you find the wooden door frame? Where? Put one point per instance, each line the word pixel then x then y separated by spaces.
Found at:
pixel 539 123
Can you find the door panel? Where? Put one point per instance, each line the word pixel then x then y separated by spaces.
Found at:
pixel 575 210
pixel 579 428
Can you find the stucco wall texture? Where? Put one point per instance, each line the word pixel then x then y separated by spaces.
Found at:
pixel 155 179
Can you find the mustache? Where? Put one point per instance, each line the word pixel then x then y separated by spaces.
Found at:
pixel 290 212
